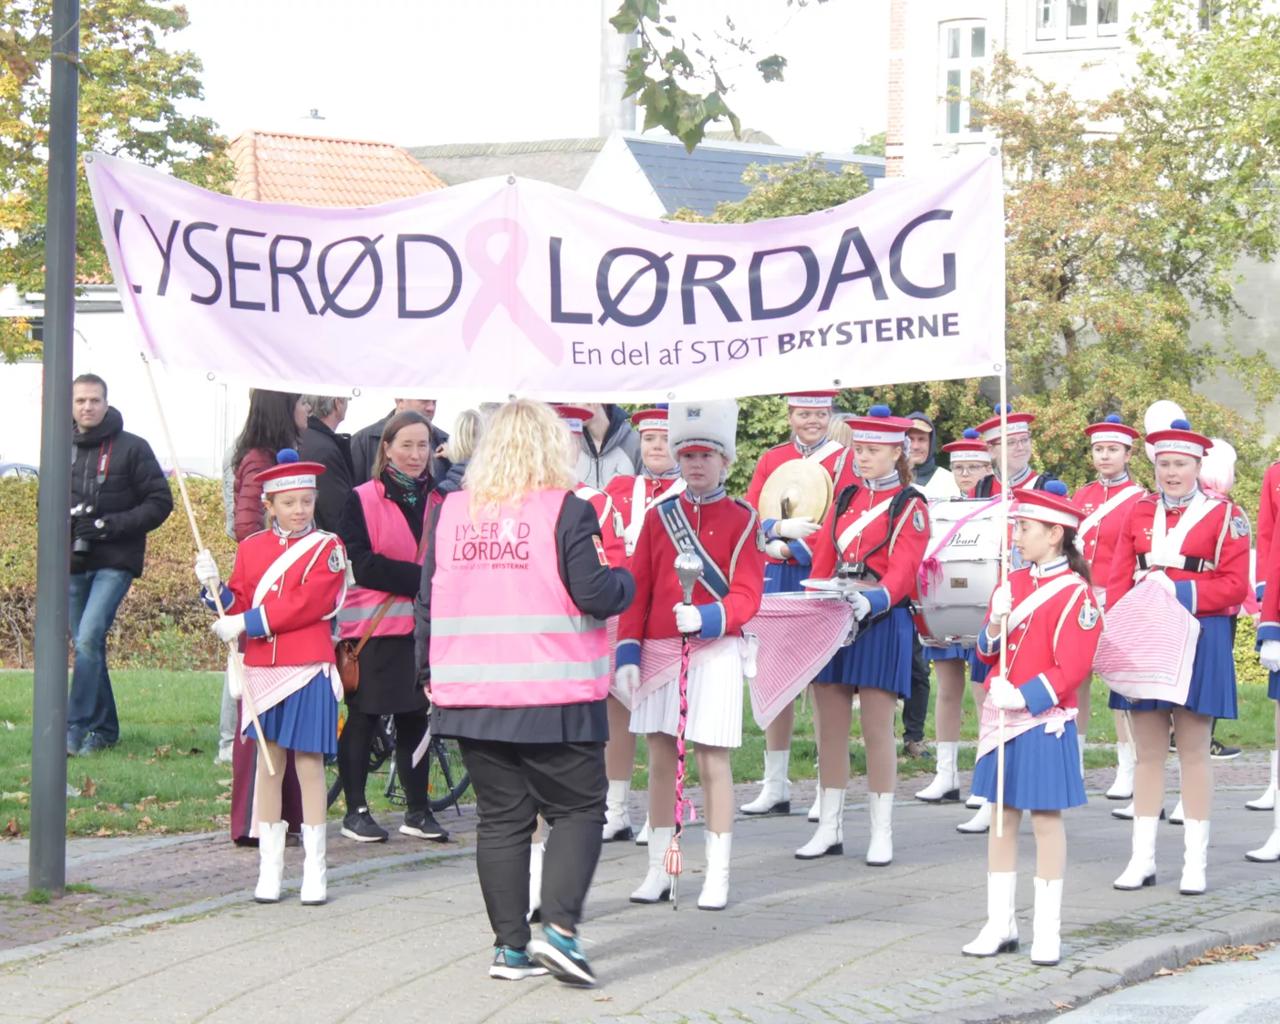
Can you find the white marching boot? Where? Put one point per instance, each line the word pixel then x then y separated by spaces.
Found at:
pixel 1126 762
pixel 1141 869
pixel 1178 816
pixel 1124 813
pixel 617 818
pixel 715 886
pixel 1046 931
pixel 973 801
pixel 1080 750
pixel 880 847
pixel 1000 933
pixel 1266 802
pixel 829 837
pixel 815 808
pixel 315 870
pixel 945 787
pixel 1269 851
pixel 642 837
pixel 536 852
pixel 1195 857
pixel 979 823
pixel 656 886
pixel 775 793
pixel 271 837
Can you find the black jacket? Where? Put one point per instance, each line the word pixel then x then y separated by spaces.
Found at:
pixel 596 589
pixel 373 569
pixel 333 451
pixel 117 474
pixel 364 450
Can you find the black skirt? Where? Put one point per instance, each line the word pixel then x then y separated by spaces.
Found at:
pixel 388 681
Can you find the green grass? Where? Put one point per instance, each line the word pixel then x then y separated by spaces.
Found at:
pixel 161 777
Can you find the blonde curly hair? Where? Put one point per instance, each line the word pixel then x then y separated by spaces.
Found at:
pixel 525 447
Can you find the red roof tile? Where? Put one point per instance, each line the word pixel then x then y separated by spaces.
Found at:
pixel 313 171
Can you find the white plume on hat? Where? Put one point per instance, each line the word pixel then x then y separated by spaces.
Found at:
pixel 714 424
pixel 1158 416
pixel 1218 467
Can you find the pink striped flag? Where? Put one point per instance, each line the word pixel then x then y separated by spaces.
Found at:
pixel 1148 645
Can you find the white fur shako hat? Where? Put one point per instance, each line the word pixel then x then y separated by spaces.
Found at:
pixel 712 426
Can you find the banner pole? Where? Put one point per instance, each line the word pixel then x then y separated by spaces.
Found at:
pixel 233 663
pixel 1004 578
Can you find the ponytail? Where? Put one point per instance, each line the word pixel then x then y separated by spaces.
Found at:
pixel 1075 560
pixel 905 473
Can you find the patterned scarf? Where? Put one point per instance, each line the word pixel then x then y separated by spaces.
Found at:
pixel 404 489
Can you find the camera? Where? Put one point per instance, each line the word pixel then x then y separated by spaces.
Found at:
pixel 80 545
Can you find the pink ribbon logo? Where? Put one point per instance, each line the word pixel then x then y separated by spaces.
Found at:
pixel 498 287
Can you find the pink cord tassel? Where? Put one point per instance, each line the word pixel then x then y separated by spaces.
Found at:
pixel 674 862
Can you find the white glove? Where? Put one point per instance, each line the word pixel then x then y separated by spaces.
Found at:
pixel 1162 578
pixel 797 528
pixel 207 571
pixel 688 618
pixel 1004 695
pixel 777 549
pixel 228 628
pixel 861 606
pixel 1001 602
pixel 1269 655
pixel 627 681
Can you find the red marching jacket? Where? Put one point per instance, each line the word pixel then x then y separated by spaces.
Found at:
pixel 1099 542
pixel 891 548
pixel 1211 574
pixel 1268 514
pixel 622 489
pixel 290 625
pixel 728 533
pixel 610 524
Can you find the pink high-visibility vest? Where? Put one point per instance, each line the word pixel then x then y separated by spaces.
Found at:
pixel 504 631
pixel 389 536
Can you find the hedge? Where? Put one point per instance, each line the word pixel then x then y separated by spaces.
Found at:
pixel 161 624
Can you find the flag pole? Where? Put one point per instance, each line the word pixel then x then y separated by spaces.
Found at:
pixel 233 663
pixel 1004 577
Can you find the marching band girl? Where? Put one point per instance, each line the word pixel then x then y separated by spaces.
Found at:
pixel 970 463
pixel 1269 656
pixel 876 532
pixel 724 534
pixel 1052 631
pixel 289 580
pixel 1104 503
pixel 635 497
pixel 1196 547
pixel 1268 513
pixel 788 546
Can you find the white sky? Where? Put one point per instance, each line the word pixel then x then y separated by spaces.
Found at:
pixel 417 72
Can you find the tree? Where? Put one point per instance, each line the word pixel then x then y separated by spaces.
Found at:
pixel 131 88
pixel 873 145
pixel 1126 220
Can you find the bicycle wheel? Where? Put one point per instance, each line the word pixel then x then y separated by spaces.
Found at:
pixel 447 778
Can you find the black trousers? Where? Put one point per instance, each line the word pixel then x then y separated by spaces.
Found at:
pixel 514 782
pixel 353 757
pixel 915 709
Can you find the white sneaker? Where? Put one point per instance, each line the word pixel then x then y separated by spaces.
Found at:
pixel 1000 933
pixel 775 793
pixel 828 840
pixel 656 887
pixel 945 787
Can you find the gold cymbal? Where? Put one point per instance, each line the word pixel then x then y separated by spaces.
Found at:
pixel 800 487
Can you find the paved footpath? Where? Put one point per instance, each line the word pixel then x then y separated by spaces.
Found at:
pixel 169 934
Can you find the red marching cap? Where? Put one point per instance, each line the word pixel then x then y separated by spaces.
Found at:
pixel 812 399
pixel 649 419
pixel 1047 506
pixel 1018 423
pixel 879 426
pixel 574 416
pixel 289 473
pixel 1179 439
pixel 970 448
pixel 1112 430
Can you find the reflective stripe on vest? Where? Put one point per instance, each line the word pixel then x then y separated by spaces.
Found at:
pixel 504 630
pixel 389 536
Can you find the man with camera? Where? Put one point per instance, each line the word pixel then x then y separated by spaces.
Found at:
pixel 118 495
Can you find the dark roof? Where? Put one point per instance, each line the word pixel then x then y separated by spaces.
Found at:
pixel 561 162
pixel 712 173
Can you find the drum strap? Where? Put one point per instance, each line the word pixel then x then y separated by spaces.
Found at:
pixel 1106 508
pixel 680 530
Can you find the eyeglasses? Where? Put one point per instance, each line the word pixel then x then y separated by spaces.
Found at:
pixel 1021 441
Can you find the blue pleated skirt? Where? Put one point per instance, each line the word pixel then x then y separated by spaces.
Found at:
pixel 952 652
pixel 306 720
pixel 785 577
pixel 1213 675
pixel 879 659
pixel 1273 685
pixel 978 669
pixel 1041 771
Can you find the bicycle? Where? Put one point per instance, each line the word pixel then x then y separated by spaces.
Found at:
pixel 447 778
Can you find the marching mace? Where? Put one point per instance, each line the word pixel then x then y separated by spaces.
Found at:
pixel 688 568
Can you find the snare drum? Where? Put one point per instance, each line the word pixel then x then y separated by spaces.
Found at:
pixel 960 570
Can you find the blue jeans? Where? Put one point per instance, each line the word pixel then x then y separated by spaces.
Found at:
pixel 95 596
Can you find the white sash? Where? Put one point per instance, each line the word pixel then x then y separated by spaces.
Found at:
pixel 828 447
pixel 640 508
pixel 277 569
pixel 854 529
pixel 1037 598
pixel 1105 509
pixel 1166 545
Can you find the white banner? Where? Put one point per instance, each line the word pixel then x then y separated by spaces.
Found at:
pixel 510 286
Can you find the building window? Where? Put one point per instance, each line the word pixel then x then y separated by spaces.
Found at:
pixel 963 46
pixel 1046 19
pixel 1079 19
pixel 1108 17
